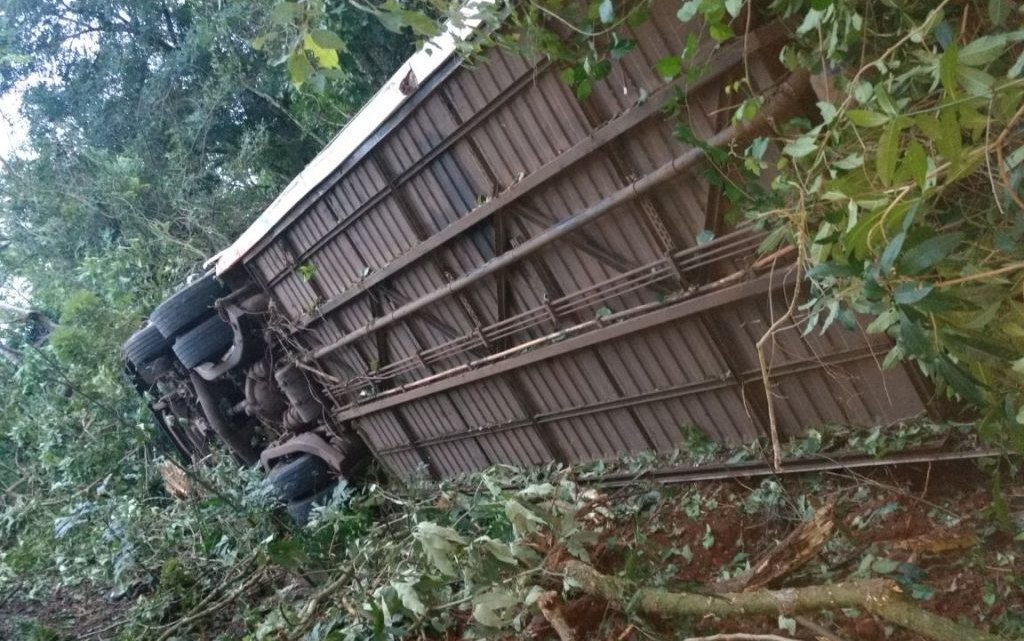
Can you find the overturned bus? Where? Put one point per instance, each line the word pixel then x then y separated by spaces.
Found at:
pixel 481 268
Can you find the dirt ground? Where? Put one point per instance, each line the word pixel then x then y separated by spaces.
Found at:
pixel 78 613
pixel 932 529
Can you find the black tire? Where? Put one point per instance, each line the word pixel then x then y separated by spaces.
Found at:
pixel 300 509
pixel 188 306
pixel 301 477
pixel 144 346
pixel 206 342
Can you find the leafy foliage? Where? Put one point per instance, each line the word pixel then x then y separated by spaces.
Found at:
pixel 155 132
pixel 907 207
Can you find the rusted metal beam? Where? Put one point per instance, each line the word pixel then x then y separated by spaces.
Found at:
pixel 699 300
pixel 581 241
pixel 656 396
pixel 729 471
pixel 650 275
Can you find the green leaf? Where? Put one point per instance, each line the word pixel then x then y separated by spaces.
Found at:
pixel 606 11
pixel 621 46
pixel 884 566
pixel 915 162
pixel 439 544
pixel 733 7
pixel 583 89
pixel 491 608
pixel 523 520
pixel 828 111
pixel 889 254
pixel 498 549
pixel 688 10
pixel 287 553
pixel 284 13
pixel 960 381
pixel 1018 66
pixel 669 67
pixel 983 50
pixel 410 599
pixel 787 623
pixel 921 592
pixel 975 81
pixel 420 23
pixel 947 70
pixel 999 11
pixel 888 154
pixel 757 147
pixel 882 322
pixel 864 118
pixel 1018 365
pixel 849 162
pixel 912 338
pixel 327 39
pixel 801 147
pixel 950 142
pixel 910 293
pixel 720 32
pixel 811 21
pixel 926 254
pixel 325 58
pixel 299 68
pixel 686 553
pixel 708 541
pixel 692 42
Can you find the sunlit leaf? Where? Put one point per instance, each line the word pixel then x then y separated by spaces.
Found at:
pixel 863 118
pixel 801 147
pixel 299 68
pixel 888 154
pixel 669 67
pixel 327 39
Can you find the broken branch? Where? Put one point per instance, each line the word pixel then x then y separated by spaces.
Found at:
pixel 881 597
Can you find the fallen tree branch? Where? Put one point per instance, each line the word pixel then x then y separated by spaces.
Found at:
pixel 881 597
pixel 820 631
pixel 802 545
pixel 740 636
pixel 551 607
pixel 309 611
pixel 230 598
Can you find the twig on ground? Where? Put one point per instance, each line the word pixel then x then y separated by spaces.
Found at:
pixel 247 585
pixel 741 636
pixel 550 605
pixel 313 605
pixel 819 630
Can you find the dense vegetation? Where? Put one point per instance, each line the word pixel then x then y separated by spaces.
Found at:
pixel 156 131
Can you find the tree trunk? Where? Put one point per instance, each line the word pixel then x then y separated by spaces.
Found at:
pixel 881 597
